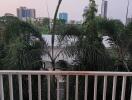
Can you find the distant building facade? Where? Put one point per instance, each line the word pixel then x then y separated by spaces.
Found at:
pixel 9 14
pixel 24 13
pixel 63 16
pixel 61 56
pixel 74 22
pixel 43 20
pixel 104 8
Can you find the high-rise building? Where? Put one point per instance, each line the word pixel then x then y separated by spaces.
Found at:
pixel 63 16
pixel 24 13
pixel 104 8
pixel 31 13
pixel 21 12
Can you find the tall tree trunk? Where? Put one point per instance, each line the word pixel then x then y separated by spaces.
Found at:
pixel 53 33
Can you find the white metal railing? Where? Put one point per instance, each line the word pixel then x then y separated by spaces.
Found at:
pixel 66 74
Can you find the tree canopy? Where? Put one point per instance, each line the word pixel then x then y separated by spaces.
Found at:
pixel 21 43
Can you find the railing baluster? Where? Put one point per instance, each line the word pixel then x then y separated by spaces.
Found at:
pixel 39 87
pixel 30 87
pixel 20 87
pixel 67 87
pixel 105 88
pixel 76 88
pixel 48 87
pixel 114 87
pixel 10 87
pixel 1 88
pixel 95 87
pixel 86 87
pixel 123 88
pixel 58 89
pixel 131 93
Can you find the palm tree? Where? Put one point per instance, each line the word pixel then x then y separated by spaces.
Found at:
pixel 88 48
pixel 52 32
pixel 120 38
pixel 53 35
pixel 21 48
pixel 20 41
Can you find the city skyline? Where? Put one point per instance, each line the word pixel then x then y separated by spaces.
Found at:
pixel 75 12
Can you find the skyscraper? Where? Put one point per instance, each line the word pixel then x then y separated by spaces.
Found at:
pixel 31 13
pixel 24 13
pixel 104 8
pixel 63 16
pixel 21 12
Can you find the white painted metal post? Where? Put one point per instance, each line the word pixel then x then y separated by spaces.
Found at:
pixel 86 87
pixel 67 87
pixel 1 88
pixel 10 87
pixel 20 87
pixel 48 87
pixel 123 88
pixel 114 87
pixel 30 87
pixel 58 89
pixel 39 87
pixel 95 87
pixel 105 88
pixel 131 93
pixel 76 88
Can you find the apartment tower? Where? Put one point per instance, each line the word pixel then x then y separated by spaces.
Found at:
pixel 104 8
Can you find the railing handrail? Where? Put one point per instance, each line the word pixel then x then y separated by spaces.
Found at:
pixel 67 85
pixel 90 73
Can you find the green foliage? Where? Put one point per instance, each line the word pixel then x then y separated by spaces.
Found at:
pixel 21 43
pixel 43 25
pixel 92 55
pixel 60 27
pixel 91 11
pixel 88 48
pixel 21 48
pixel 120 38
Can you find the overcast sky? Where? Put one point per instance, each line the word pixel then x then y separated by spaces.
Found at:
pixel 116 8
